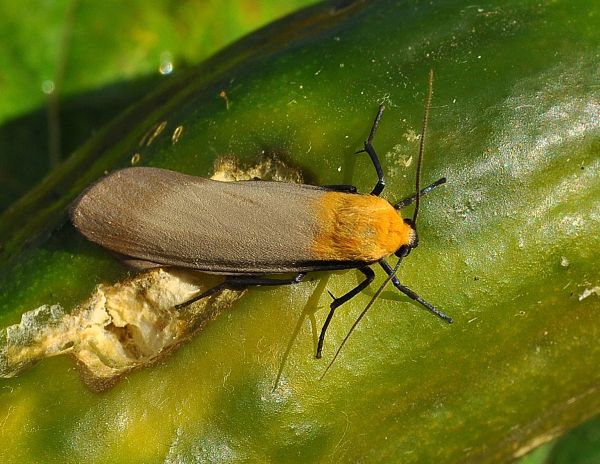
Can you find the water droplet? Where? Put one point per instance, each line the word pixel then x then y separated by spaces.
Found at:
pixel 166 63
pixel 48 87
pixel 166 67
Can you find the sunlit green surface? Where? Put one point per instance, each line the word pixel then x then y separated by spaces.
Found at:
pixel 508 247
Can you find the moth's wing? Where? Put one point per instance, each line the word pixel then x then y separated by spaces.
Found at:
pixel 169 218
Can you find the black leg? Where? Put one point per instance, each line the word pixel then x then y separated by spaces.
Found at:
pixel 337 302
pixel 206 294
pixel 241 282
pixel 371 152
pixel 247 281
pixel 341 188
pixel 409 293
pixel 425 191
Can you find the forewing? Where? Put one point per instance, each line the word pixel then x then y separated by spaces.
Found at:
pixel 170 218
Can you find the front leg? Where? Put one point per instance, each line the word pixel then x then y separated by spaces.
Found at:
pixel 373 155
pixel 412 294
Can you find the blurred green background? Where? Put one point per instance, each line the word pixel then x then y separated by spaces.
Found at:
pixel 68 67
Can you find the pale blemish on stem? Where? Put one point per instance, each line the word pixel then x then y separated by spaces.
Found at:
pixel 589 292
pixel 229 169
pixel 150 136
pixel 224 96
pixel 135 159
pixel 176 134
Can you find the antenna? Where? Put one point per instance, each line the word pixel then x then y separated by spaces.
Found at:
pixel 422 147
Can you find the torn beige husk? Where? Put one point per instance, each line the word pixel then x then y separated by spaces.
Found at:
pixel 121 327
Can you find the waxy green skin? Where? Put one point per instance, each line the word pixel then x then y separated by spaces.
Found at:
pixel 507 247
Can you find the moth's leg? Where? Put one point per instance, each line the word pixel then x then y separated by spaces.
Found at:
pixel 373 155
pixel 241 282
pixel 337 302
pixel 341 188
pixel 411 294
pixel 425 191
pixel 205 294
pixel 247 281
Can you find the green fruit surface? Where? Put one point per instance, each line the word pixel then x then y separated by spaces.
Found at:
pixel 510 247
